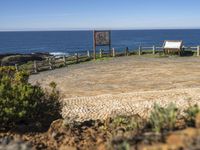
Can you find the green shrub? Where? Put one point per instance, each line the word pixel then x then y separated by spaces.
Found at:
pixel 7 71
pixel 21 102
pixel 123 146
pixel 126 122
pixel 163 118
pixel 191 113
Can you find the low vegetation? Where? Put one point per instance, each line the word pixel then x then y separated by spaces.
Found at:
pixel 191 114
pixel 161 122
pixel 163 118
pixel 129 132
pixel 23 103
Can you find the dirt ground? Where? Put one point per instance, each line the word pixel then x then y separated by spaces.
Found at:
pixel 124 74
pixel 134 78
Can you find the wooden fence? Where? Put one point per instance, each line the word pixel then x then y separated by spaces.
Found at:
pixel 155 49
pixel 57 62
pixel 53 62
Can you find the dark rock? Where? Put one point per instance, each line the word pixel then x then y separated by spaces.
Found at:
pixel 8 143
pixel 19 59
pixel 5 140
pixel 12 59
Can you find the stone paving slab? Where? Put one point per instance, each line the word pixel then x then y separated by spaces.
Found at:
pixel 141 103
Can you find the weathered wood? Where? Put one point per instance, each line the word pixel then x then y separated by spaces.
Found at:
pixel 100 53
pixel 94 46
pixel 16 67
pixel 88 54
pixel 94 54
pixel 76 57
pixel 154 49
pixel 198 50
pixel 113 52
pixel 50 64
pixel 140 50
pixel 64 61
pixel 35 66
pixel 126 51
pixel 110 50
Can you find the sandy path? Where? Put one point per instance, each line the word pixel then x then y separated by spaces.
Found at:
pixel 141 79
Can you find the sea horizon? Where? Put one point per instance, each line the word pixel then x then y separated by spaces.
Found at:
pixel 78 41
pixel 101 29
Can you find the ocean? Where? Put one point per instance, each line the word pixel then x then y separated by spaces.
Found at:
pixel 79 41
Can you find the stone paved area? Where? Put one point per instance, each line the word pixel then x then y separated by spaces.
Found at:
pixel 141 103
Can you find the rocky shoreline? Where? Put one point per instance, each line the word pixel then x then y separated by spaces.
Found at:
pixel 11 59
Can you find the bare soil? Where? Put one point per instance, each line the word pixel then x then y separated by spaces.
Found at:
pixel 124 75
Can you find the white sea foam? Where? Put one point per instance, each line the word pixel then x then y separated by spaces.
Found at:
pixel 59 54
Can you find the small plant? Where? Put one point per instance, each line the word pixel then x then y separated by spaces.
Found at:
pixel 123 146
pixel 127 123
pixel 191 114
pixel 7 71
pixel 121 129
pixel 163 118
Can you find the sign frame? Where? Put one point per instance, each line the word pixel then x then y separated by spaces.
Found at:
pixel 95 44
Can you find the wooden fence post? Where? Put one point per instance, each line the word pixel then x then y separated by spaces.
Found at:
pixel 35 66
pixel 198 50
pixel 64 60
pixel 113 52
pixel 76 57
pixel 101 53
pixel 88 54
pixel 154 50
pixel 140 50
pixel 16 67
pixel 126 52
pixel 50 64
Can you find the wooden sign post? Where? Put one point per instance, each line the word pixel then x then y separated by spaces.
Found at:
pixel 101 38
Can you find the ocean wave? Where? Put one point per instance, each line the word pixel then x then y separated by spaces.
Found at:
pixel 59 54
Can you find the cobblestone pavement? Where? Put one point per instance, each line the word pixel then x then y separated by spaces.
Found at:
pixel 141 103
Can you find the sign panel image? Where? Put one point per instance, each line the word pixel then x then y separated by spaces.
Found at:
pixel 102 38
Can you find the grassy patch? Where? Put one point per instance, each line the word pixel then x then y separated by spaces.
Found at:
pixel 191 114
pixel 163 118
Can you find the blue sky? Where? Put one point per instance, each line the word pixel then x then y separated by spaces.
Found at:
pixel 95 14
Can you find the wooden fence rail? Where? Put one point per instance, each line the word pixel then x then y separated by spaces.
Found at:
pixel 158 49
pixel 53 62
pixel 61 61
